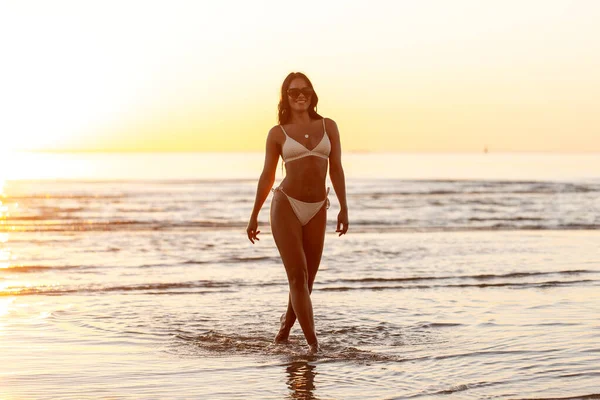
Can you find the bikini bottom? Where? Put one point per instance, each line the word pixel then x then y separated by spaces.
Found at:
pixel 303 210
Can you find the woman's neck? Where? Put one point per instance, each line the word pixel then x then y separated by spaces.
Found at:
pixel 300 118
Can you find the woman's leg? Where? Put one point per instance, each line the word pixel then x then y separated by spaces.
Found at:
pixel 313 238
pixel 287 232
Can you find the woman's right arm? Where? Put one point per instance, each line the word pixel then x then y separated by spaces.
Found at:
pixel 265 182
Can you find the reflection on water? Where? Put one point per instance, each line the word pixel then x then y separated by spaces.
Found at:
pixel 5 256
pixel 4 305
pixel 301 380
pixel 3 207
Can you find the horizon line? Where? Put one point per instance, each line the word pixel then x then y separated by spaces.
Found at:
pixel 107 151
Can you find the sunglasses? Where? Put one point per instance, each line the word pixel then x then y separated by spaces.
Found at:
pixel 295 93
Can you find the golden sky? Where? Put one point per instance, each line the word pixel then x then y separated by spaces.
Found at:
pixel 395 75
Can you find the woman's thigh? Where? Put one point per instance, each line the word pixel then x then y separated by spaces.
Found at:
pixel 313 239
pixel 287 232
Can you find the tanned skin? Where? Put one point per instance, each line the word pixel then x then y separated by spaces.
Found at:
pixel 300 247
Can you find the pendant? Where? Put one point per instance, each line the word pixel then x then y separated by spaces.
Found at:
pixel 306 136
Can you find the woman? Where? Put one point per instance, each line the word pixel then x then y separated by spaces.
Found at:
pixel 305 141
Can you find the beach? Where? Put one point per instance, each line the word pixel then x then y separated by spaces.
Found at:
pixel 471 276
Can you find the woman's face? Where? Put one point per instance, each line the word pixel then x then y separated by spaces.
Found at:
pixel 299 95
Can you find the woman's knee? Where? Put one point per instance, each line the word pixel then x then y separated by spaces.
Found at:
pixel 298 280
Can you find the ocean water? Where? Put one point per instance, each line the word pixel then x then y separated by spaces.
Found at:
pixel 462 276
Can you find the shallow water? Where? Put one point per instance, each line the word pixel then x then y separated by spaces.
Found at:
pixel 477 288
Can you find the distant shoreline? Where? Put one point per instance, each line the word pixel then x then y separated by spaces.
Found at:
pixel 416 152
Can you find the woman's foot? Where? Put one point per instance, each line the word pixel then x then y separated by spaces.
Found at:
pixel 284 332
pixel 313 348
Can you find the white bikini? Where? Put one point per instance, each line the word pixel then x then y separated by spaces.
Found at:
pixel 292 150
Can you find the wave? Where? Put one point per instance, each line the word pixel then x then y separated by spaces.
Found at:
pixel 358 226
pixel 479 188
pixel 38 268
pixel 60 196
pixel 242 259
pixel 581 397
pixel 339 285
pixel 401 206
pixel 546 284
pixel 476 277
pixel 513 219
pixel 374 189
pixel 221 343
pixel 461 388
pixel 390 227
pixel 140 181
pixel 70 225
pixel 43 268
pixel 336 342
pixel 150 287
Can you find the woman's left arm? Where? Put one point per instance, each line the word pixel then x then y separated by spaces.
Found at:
pixel 336 174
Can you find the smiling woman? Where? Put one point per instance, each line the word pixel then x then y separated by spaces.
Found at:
pixel 309 145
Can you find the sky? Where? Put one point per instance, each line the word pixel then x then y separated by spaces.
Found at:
pixel 415 76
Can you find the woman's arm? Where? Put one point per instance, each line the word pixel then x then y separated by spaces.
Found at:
pixel 336 174
pixel 265 183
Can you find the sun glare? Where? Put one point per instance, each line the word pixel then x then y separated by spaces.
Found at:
pixel 5 304
pixel 415 78
pixel 5 258
pixel 31 165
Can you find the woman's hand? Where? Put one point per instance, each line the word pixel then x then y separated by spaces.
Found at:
pixel 342 221
pixel 251 230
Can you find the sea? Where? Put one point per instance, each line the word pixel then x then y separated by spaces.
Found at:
pixel 462 276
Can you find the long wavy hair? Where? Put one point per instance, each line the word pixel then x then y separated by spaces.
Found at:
pixel 284 109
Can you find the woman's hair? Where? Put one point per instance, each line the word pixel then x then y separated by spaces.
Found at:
pixel 284 112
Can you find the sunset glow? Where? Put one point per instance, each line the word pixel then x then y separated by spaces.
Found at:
pixel 396 76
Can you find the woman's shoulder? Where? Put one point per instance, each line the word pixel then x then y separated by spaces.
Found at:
pixel 330 126
pixel 275 133
pixel 275 128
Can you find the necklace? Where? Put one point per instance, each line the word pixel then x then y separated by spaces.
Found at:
pixel 306 136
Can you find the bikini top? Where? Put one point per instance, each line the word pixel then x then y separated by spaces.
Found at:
pixel 292 150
